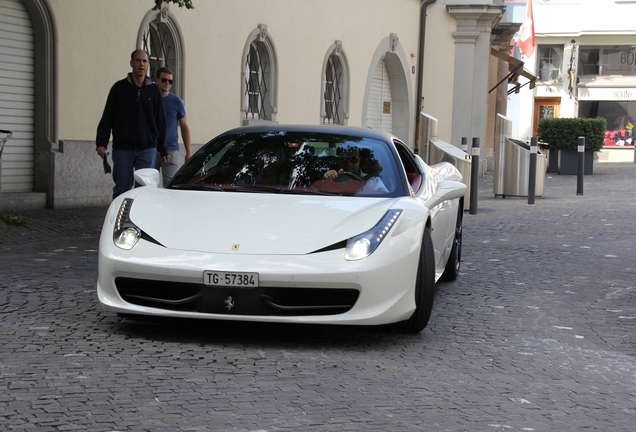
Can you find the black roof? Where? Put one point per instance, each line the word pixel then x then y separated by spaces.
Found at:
pixel 333 129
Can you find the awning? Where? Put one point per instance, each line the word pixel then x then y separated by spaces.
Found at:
pixel 606 94
pixel 515 70
pixel 607 88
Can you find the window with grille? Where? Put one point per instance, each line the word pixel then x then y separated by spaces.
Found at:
pixel 335 86
pixel 158 43
pixel 550 60
pixel 159 36
pixel 333 91
pixel 256 77
pixel 259 83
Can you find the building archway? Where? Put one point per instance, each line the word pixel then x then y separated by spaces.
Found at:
pixel 389 74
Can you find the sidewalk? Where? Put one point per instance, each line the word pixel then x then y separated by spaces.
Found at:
pixel 611 182
pixel 49 224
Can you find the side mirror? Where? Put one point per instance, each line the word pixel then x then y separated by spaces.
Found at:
pixel 420 162
pixel 147 177
pixel 447 190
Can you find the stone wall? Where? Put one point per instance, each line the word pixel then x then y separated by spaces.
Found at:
pixel 79 176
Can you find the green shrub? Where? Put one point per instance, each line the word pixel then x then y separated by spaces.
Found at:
pixel 563 133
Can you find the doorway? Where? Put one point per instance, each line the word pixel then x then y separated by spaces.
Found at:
pixel 545 108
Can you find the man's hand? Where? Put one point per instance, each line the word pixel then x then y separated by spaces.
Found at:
pixel 100 151
pixel 332 174
pixel 166 158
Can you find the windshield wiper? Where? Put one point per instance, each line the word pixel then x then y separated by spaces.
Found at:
pixel 256 188
pixel 278 189
pixel 197 187
pixel 305 192
pixel 251 188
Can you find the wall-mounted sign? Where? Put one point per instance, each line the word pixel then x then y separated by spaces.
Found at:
pixel 607 93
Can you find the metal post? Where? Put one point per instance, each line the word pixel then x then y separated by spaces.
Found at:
pixel 532 179
pixel 581 170
pixel 474 176
pixel 465 146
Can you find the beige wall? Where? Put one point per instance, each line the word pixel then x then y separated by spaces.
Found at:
pixel 439 68
pixel 93 40
pixel 96 38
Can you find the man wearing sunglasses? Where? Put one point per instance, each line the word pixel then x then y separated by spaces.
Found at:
pixel 350 170
pixel 175 116
pixel 135 115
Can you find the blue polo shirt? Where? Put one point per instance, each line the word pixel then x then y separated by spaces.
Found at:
pixel 175 110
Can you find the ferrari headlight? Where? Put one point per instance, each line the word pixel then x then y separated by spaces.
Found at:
pixel 125 233
pixel 363 245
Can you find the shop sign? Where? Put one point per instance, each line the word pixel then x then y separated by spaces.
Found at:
pixel 607 94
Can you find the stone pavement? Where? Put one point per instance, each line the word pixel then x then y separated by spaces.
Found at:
pixel 537 334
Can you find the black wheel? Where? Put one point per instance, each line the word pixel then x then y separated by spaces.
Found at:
pixel 424 288
pixel 346 176
pixel 454 260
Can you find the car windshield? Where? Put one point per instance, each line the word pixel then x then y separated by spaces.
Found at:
pixel 293 162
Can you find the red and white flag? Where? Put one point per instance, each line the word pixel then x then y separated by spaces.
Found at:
pixel 526 33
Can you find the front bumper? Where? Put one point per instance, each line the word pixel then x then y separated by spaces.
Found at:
pixel 313 288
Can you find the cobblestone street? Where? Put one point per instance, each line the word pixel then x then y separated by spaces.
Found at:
pixel 537 334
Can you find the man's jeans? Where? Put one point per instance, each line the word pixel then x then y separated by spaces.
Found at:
pixel 170 168
pixel 124 161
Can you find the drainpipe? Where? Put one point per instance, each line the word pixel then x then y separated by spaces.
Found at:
pixel 420 71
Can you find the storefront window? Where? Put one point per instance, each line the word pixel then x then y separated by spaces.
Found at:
pixel 615 60
pixel 620 118
pixel 618 61
pixel 589 61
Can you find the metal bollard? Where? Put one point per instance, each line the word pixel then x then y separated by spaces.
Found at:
pixel 532 179
pixel 581 168
pixel 465 146
pixel 474 176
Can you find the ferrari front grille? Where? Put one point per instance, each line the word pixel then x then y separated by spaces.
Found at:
pixel 266 301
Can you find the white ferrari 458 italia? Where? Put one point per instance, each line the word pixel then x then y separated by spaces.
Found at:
pixel 293 224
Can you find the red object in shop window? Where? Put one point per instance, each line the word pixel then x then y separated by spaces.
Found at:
pixel 609 143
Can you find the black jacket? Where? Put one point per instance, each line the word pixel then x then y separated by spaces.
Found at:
pixel 135 115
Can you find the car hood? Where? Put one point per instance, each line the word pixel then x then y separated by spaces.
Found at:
pixel 252 223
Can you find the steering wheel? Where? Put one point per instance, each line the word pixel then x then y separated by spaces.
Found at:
pixel 346 176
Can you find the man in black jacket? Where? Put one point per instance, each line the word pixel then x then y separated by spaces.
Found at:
pixel 135 114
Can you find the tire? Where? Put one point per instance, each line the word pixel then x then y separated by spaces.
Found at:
pixel 424 288
pixel 451 271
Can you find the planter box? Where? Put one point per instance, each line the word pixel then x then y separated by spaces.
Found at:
pixel 569 162
pixel 553 161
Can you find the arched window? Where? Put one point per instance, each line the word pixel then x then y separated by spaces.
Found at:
pixel 259 78
pixel 160 36
pixel 335 87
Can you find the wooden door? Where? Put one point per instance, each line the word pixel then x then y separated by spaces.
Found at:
pixel 545 108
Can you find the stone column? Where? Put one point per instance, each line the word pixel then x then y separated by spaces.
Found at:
pixel 472 63
pixel 498 99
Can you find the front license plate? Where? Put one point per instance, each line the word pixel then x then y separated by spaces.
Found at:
pixel 231 279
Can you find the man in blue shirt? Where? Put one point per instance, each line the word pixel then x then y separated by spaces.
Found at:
pixel 175 116
pixel 135 115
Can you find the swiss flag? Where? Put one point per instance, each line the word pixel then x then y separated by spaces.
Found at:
pixel 526 33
